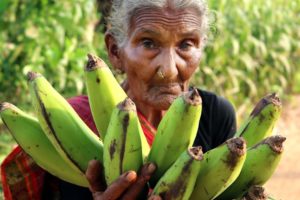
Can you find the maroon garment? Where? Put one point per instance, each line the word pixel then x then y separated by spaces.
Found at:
pixel 23 179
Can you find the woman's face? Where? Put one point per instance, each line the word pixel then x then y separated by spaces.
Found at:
pixel 161 54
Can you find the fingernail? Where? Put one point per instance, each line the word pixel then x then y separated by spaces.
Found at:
pixel 151 168
pixel 130 176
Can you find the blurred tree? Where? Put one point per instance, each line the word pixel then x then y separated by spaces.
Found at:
pixel 104 7
pixel 47 36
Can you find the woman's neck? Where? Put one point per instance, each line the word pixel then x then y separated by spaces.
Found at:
pixel 153 116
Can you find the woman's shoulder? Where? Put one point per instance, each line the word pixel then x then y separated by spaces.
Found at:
pixel 217 114
pixel 81 105
pixel 215 102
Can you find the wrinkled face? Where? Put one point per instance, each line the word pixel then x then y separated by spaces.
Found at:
pixel 161 54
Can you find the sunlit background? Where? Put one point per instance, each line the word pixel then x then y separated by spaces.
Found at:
pixel 253 50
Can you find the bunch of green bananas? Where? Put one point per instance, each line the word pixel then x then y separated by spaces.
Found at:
pixel 62 144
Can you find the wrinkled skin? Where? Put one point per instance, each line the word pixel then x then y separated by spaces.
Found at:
pixel 158 40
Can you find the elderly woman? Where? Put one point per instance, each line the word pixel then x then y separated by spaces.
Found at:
pixel 158 44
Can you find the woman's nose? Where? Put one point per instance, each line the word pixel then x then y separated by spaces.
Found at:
pixel 168 64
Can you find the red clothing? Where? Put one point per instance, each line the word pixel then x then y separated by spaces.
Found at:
pixel 22 178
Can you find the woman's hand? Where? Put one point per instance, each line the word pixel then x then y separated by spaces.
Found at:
pixel 128 186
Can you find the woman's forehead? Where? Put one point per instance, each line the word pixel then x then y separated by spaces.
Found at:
pixel 151 19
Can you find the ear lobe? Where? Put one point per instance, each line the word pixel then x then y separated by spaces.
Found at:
pixel 113 51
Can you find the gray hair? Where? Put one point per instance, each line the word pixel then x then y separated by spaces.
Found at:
pixel 123 10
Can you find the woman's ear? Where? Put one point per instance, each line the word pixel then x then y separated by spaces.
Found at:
pixel 113 51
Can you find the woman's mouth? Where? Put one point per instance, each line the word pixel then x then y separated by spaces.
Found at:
pixel 168 89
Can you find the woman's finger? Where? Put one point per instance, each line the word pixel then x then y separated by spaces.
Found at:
pixel 136 189
pixel 154 197
pixel 95 176
pixel 118 187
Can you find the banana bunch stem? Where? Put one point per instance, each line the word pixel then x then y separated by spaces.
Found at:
pixel 255 192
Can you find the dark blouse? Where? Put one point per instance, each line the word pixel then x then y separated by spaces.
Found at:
pixel 217 122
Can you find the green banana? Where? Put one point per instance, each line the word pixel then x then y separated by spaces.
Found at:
pixel 255 192
pixel 220 168
pixel 103 90
pixel 125 145
pixel 261 121
pixel 261 162
pixel 176 132
pixel 70 136
pixel 29 135
pixel 179 180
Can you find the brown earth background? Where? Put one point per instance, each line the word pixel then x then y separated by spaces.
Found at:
pixel 285 182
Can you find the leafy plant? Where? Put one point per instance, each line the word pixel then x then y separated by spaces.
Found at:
pixel 50 37
pixel 252 51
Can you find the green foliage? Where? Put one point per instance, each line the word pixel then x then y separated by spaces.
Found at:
pixel 50 37
pixel 296 87
pixel 253 50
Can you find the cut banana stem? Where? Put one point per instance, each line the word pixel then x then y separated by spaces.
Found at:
pixel 125 145
pixel 70 136
pixel 29 135
pixel 176 132
pixel 220 168
pixel 103 90
pixel 261 162
pixel 261 121
pixel 179 180
pixel 255 192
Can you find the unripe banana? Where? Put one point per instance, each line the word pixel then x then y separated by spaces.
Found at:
pixel 261 121
pixel 103 90
pixel 125 145
pixel 176 132
pixel 220 168
pixel 261 162
pixel 70 136
pixel 179 180
pixel 255 192
pixel 29 135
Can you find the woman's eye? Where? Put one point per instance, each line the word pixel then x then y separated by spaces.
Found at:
pixel 148 44
pixel 186 45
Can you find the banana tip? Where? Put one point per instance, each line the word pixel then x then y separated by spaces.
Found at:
pixel 196 152
pixel 268 99
pixel 256 192
pixel 276 142
pixel 193 97
pixel 4 106
pixel 127 105
pixel 237 146
pixel 274 98
pixel 94 62
pixel 32 75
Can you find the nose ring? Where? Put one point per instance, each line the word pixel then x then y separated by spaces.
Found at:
pixel 160 74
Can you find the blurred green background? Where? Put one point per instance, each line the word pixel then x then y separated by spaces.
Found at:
pixel 253 49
